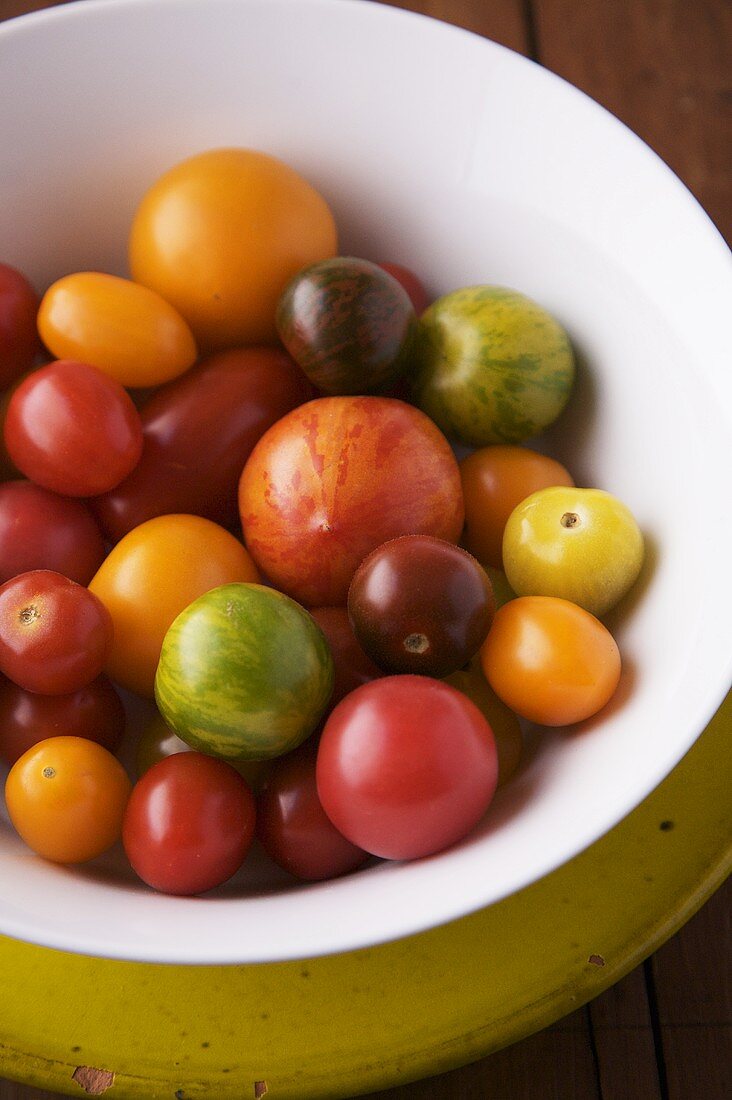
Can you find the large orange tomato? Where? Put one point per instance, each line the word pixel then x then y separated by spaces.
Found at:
pixel 150 576
pixel 221 234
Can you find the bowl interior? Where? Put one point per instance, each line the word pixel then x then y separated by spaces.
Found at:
pixel 470 164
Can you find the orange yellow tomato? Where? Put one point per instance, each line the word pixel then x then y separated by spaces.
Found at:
pixel 220 235
pixel 150 576
pixel 66 797
pixel 550 661
pixel 127 331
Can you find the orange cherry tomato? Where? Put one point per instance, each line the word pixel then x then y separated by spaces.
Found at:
pixel 221 234
pixel 550 661
pixel 495 479
pixel 66 797
pixel 127 331
pixel 150 576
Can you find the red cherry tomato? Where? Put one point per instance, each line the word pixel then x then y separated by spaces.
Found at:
pixel 55 635
pixel 412 285
pixel 353 667
pixel 19 343
pixel 72 429
pixel 406 766
pixel 185 465
pixel 41 530
pixel 94 712
pixel 188 824
pixel 293 827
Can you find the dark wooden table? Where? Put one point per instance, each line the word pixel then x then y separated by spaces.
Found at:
pixel 665 1031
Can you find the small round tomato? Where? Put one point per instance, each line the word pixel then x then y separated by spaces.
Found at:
pixel 127 331
pixel 503 722
pixel 150 576
pixel 188 824
pixel 495 479
pixel 420 604
pixel 158 740
pixel 42 530
pixel 220 234
pixel 294 829
pixel 73 430
pixel 351 664
pixel 406 766
pixel 66 798
pixel 55 635
pixel 19 343
pixel 411 283
pixel 581 544
pixel 94 712
pixel 550 661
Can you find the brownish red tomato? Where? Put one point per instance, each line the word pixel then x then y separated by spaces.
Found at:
pixel 334 479
pixel 352 665
pixel 42 530
pixel 411 283
pixel 94 712
pixel 198 432
pixel 73 430
pixel 55 635
pixel 19 343
pixel 188 824
pixel 294 829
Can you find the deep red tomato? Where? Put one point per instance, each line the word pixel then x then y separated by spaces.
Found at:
pixel 293 827
pixel 198 432
pixel 42 530
pixel 72 429
pixel 19 343
pixel 94 712
pixel 55 635
pixel 188 824
pixel 411 283
pixel 406 766
pixel 352 666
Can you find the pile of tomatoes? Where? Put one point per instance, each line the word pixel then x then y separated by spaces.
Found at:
pixel 231 487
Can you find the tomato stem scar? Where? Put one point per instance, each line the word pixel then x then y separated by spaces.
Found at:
pixel 416 643
pixel 570 519
pixel 29 614
pixel 48 773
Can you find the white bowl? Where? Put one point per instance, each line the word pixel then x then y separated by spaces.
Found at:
pixel 470 164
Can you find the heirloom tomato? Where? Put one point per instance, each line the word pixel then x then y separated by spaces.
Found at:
pixel 352 665
pixel 245 673
pixel 41 530
pixel 550 661
pixel 158 740
pixel 188 824
pixel 150 576
pixel 406 766
pixel 198 432
pixel 220 234
pixel 19 343
pixel 411 283
pixel 334 479
pixel 66 797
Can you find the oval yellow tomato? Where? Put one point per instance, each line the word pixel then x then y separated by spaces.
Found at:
pixel 66 797
pixel 150 576
pixel 127 331
pixel 221 234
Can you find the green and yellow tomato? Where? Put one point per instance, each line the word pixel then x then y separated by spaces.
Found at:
pixel 245 673
pixel 492 366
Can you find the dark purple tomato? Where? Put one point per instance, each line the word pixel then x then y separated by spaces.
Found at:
pixel 422 605
pixel 94 712
pixel 42 530
pixel 349 324
pixel 352 666
pixel 198 432
pixel 294 829
pixel 19 343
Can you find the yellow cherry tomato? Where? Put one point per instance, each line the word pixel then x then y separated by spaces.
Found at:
pixel 158 741
pixel 150 576
pixel 221 234
pixel 127 331
pixel 66 797
pixel 503 722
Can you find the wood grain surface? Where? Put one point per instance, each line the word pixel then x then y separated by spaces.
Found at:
pixel 665 1032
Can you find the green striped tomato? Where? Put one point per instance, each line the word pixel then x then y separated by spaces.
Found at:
pixel 245 673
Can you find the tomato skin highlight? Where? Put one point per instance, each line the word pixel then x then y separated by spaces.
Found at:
pixel 42 530
pixel 55 635
pixel 406 766
pixel 72 430
pixel 95 712
pixel 550 661
pixel 189 824
pixel 198 432
pixel 66 797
